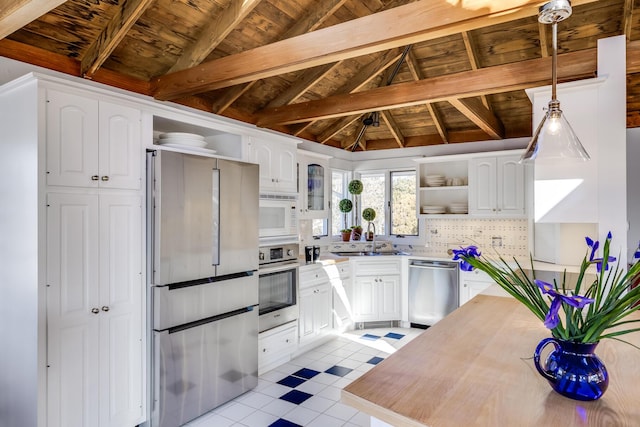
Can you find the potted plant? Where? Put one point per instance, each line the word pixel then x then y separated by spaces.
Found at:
pixel 369 214
pixel 345 206
pixel 356 233
pixel 355 187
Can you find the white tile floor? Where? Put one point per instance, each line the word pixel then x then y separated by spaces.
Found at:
pixel 317 399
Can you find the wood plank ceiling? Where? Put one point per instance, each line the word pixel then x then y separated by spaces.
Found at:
pixel 353 74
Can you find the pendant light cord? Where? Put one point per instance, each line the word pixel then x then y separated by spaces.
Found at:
pixel 554 59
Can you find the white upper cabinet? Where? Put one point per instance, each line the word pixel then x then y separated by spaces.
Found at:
pixel 92 143
pixel 278 165
pixel 496 186
pixel 313 184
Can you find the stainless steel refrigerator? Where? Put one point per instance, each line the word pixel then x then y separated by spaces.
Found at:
pixel 203 216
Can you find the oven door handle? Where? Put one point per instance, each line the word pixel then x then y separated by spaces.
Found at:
pixel 277 268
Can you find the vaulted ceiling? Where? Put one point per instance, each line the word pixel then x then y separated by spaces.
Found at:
pixel 353 74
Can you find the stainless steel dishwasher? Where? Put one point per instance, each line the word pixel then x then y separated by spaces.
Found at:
pixel 433 291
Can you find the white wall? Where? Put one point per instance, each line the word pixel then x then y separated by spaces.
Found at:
pixel 21 299
pixel 633 189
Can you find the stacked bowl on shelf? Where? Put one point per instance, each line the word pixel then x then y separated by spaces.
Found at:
pixel 435 180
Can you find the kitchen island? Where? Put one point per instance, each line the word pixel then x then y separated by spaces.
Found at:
pixel 475 368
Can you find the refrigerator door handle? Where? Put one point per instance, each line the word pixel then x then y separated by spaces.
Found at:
pixel 215 212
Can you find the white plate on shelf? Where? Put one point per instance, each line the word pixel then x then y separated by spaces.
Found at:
pixel 182 141
pixel 181 135
pixel 190 148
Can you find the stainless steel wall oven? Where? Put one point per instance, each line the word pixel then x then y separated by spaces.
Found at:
pixel 278 285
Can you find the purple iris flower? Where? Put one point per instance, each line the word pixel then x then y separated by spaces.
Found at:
pixel 552 319
pixel 599 261
pixel 593 245
pixel 463 253
pixel 637 254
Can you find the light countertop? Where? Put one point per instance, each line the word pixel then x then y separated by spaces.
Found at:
pixel 475 368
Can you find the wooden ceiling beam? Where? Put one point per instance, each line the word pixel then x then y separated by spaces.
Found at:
pixel 484 81
pixel 481 116
pixel 53 61
pixel 393 127
pixel 544 44
pixel 337 127
pixel 416 73
pixel 628 18
pixel 15 14
pixel 438 123
pixel 633 57
pixel 112 34
pixel 357 82
pixel 229 96
pixel 414 22
pixel 471 54
pixel 308 80
pixel 314 18
pixel 214 32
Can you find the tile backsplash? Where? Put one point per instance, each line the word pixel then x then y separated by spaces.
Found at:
pixel 509 237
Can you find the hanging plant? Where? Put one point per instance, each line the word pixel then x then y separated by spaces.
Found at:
pixel 355 186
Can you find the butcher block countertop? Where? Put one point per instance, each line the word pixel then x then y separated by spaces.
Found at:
pixel 475 368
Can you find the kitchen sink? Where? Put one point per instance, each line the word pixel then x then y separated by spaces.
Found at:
pixel 369 253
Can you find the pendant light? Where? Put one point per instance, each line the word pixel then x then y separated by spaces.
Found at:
pixel 554 139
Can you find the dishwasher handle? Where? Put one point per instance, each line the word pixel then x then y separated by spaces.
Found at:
pixel 439 265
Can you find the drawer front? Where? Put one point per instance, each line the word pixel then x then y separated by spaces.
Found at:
pixel 377 267
pixel 312 276
pixel 280 342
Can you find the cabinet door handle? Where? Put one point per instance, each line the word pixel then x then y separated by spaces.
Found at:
pixel 105 178
pixel 94 177
pixel 105 308
pixel 95 310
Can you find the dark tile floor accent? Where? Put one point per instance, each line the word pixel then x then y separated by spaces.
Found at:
pixel 284 423
pixel 340 371
pixel 370 337
pixel 306 373
pixel 375 360
pixel 394 336
pixel 296 396
pixel 291 381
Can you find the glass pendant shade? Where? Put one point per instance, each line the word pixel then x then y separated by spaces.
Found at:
pixel 554 139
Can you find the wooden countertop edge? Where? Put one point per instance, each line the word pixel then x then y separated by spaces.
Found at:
pixel 377 411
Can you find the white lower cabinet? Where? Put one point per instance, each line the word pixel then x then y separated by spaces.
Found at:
pixel 315 304
pixel 94 317
pixel 341 284
pixel 276 346
pixel 473 283
pixel 376 290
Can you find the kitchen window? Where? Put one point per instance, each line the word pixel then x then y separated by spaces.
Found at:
pixel 393 196
pixel 339 182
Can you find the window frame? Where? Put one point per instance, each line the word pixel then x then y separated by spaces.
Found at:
pixel 394 238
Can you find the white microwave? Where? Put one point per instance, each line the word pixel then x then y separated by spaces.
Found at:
pixel 278 217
